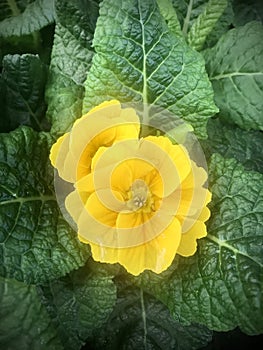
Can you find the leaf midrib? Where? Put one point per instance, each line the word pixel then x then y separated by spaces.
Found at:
pixel 143 319
pixel 229 75
pixel 144 91
pixel 21 200
pixel 228 246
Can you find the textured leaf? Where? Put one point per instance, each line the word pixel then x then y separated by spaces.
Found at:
pixel 235 67
pixel 64 99
pixel 36 15
pixel 223 24
pixel 138 59
pixel 247 11
pixel 79 17
pixel 69 57
pixel 188 11
pixel 5 10
pixel 24 78
pixel 36 243
pixel 78 304
pixel 221 285
pixel 168 12
pixel 70 61
pixel 13 8
pixel 205 23
pixel 232 142
pixel 141 322
pixel 25 323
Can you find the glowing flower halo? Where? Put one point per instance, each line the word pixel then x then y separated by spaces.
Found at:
pixel 137 201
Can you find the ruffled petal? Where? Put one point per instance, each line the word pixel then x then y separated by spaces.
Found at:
pixel 156 255
pixel 74 205
pixel 85 184
pixel 120 165
pixel 155 182
pixel 188 244
pixel 97 221
pixel 102 213
pixel 60 157
pixel 102 126
pixel 171 161
pixel 56 148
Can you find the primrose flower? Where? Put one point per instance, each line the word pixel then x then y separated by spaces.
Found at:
pixel 137 202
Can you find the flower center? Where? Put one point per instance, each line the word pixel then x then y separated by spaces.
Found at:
pixel 139 201
pixel 139 197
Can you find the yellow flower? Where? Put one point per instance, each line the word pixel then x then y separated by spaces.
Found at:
pixel 137 202
pixel 135 206
pixel 102 126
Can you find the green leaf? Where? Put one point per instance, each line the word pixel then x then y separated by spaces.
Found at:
pixel 36 15
pixel 25 323
pixel 69 57
pixel 139 321
pixel 79 17
pixel 70 61
pixel 168 12
pixel 10 8
pixel 23 79
pixel 13 8
pixel 223 25
pixel 235 67
pixel 64 99
pixel 205 23
pixel 191 12
pixel 232 142
pixel 221 285
pixel 78 304
pixel 188 11
pixel 246 11
pixel 36 243
pixel 138 59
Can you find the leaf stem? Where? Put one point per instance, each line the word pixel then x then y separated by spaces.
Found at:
pixel 21 200
pixel 233 74
pixel 144 91
pixel 13 7
pixel 187 18
pixel 143 320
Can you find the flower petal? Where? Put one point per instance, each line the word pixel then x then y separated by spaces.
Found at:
pixel 119 165
pixel 205 214
pixel 188 244
pixel 74 205
pixel 131 220
pixel 97 222
pixel 56 148
pixel 59 156
pixel 155 182
pixel 102 126
pixel 99 211
pixel 86 184
pixel 196 177
pixel 172 161
pixel 156 255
